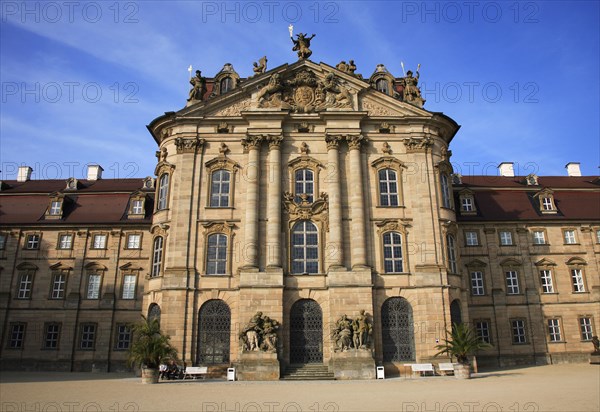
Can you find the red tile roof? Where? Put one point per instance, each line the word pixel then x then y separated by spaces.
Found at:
pixel 95 202
pixel 500 198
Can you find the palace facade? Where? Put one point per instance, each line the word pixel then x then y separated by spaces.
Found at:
pixel 305 192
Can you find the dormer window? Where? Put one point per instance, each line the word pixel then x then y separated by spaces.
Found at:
pixel 55 208
pixel 546 201
pixel 382 85
pixel 226 84
pixel 467 203
pixel 137 206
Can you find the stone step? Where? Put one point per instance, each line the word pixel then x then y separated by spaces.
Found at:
pixel 308 372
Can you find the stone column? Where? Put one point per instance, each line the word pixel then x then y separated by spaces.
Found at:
pixel 249 250
pixel 357 209
pixel 274 203
pixel 335 246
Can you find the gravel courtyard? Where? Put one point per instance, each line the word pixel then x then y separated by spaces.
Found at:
pixel 570 387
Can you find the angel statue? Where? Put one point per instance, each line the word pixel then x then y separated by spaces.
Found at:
pixel 260 67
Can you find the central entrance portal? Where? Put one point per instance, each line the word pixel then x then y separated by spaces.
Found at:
pixel 306 332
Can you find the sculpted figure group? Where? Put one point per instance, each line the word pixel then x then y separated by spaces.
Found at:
pixel 260 334
pixel 352 334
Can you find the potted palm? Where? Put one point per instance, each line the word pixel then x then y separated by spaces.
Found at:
pixel 462 343
pixel 150 348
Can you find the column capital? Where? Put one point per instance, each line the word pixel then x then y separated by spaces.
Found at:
pixel 355 141
pixel 188 145
pixel 252 141
pixel 333 141
pixel 274 141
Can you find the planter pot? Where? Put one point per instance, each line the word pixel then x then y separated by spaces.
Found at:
pixel 462 371
pixel 149 375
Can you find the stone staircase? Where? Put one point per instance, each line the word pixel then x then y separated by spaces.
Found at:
pixel 308 372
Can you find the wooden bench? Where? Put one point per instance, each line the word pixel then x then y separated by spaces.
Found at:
pixel 446 367
pixel 195 371
pixel 422 368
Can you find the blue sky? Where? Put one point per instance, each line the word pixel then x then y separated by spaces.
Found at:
pixel 81 80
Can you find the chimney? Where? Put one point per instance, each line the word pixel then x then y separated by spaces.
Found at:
pixel 94 172
pixel 506 169
pixel 24 173
pixel 573 169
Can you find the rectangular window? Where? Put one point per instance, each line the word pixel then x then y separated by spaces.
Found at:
pixel 518 331
pixel 52 334
pixel 163 191
pixel 512 282
pixel 445 186
pixel 477 283
pixel 55 208
pixel 554 330
pixel 547 203
pixel 219 188
pixel 577 280
pixel 134 241
pixel 506 238
pixel 216 255
pixel 388 188
pixel 65 241
pixel 570 237
pixel 2 241
pixel 33 242
pixel 137 208
pixel 25 285
pixel 585 326
pixel 88 336
pixel 471 238
pixel 59 283
pixel 539 237
pixel 123 337
pixel 93 290
pixel 17 336
pixel 129 282
pixel 99 242
pixel 598 236
pixel 546 281
pixel 157 256
pixel 482 327
pixel 467 204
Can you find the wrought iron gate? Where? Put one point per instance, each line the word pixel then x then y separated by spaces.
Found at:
pixel 306 332
pixel 397 330
pixel 214 328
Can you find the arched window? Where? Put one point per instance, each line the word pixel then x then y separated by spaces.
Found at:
pixel 219 188
pixel 445 186
pixel 216 254
pixel 305 184
pixel 397 330
pixel 157 256
pixel 305 248
pixel 154 312
pixel 451 250
pixel 383 86
pixel 392 252
pixel 388 188
pixel 455 313
pixel 163 191
pixel 226 84
pixel 214 328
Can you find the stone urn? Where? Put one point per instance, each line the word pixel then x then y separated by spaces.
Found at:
pixel 149 375
pixel 462 371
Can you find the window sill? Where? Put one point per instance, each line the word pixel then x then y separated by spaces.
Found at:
pixel 390 207
pixel 394 273
pixel 216 275
pixel 571 244
pixel 220 207
pixel 549 293
pixel 556 341
pixel 580 293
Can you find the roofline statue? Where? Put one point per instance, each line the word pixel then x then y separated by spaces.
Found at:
pixel 302 45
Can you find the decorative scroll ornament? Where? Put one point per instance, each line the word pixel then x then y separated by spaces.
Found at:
pixel 260 334
pixel 375 109
pixel 386 148
pixel 305 210
pixel 418 145
pixel 354 334
pixel 188 145
pixel 235 109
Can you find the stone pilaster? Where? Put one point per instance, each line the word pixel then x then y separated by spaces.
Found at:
pixel 251 145
pixel 274 203
pixel 335 204
pixel 357 208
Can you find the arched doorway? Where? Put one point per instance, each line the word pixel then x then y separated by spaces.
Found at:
pixel 306 332
pixel 455 313
pixel 397 330
pixel 214 328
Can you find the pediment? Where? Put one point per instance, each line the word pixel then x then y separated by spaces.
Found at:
pixel 378 104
